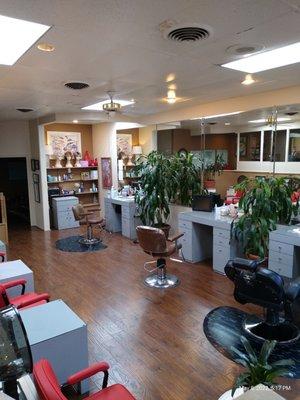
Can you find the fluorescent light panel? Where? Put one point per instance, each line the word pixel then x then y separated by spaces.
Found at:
pixel 98 106
pixel 218 115
pixel 267 60
pixel 264 120
pixel 17 36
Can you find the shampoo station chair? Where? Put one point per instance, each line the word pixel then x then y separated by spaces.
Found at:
pixel 263 287
pixel 90 218
pixel 25 300
pixel 49 389
pixel 153 241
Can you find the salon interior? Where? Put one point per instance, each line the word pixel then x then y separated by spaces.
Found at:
pixel 150 200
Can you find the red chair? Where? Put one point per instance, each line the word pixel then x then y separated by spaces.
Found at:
pixel 25 299
pixel 2 257
pixel 49 389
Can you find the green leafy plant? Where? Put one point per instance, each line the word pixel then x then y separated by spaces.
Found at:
pixel 214 168
pixel 153 199
pixel 266 202
pixel 185 178
pixel 259 369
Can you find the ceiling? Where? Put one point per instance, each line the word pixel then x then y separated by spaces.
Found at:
pixel 118 45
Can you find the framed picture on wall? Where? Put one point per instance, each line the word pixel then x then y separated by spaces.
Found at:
pixel 61 142
pixel 36 187
pixel 106 172
pixel 124 144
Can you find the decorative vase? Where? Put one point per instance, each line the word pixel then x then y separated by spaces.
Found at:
pixel 57 162
pixel 77 161
pixel 227 395
pixel 69 164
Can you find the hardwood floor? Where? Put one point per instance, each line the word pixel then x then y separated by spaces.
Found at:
pixel 152 339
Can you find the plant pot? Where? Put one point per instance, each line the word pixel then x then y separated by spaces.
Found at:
pixel 165 228
pixel 257 258
pixel 210 184
pixel 227 395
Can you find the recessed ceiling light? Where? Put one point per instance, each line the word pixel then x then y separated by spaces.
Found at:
pixel 45 47
pixel 19 36
pixel 263 120
pixel 218 115
pixel 171 96
pixel 99 106
pixel 248 80
pixel 75 121
pixel 170 78
pixel 267 60
pixel 77 85
pixel 227 123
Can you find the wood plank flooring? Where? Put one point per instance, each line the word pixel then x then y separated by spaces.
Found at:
pixel 152 339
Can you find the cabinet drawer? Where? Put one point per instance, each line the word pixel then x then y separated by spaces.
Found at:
pixel 220 257
pixel 281 269
pixel 221 241
pixel 280 258
pixel 222 234
pixel 279 247
pixel 184 225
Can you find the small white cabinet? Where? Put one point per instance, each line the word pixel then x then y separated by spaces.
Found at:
pixel 63 217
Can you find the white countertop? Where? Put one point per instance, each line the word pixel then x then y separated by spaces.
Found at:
pixel 287 234
pixel 120 200
pixel 14 269
pixel 49 320
pixel 207 218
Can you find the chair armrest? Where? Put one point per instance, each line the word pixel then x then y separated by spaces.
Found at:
pixel 293 291
pixel 2 255
pixel 37 299
pixel 88 372
pixel 176 237
pixel 93 209
pixel 16 282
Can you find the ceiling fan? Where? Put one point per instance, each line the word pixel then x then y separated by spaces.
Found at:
pixel 111 106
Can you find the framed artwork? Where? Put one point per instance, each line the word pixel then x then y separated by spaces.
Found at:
pixel 36 187
pixel 61 142
pixel 124 144
pixel 106 172
pixel 37 165
pixel 243 146
pixel 32 165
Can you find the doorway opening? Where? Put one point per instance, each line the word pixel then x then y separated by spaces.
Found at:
pixel 14 185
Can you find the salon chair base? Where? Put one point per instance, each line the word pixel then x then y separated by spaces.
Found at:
pixel 89 242
pixel 284 332
pixel 165 282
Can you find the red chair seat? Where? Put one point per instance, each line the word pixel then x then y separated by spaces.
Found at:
pixel 19 300
pixel 113 392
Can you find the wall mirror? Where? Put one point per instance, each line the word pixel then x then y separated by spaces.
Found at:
pixel 247 141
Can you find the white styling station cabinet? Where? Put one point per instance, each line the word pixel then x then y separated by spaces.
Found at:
pixel 120 215
pixel 206 235
pixel 284 251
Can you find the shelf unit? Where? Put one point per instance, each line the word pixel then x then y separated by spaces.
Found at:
pixel 74 175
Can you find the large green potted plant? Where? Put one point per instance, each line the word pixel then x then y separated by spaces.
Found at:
pixel 153 198
pixel 259 370
pixel 185 178
pixel 211 170
pixel 266 203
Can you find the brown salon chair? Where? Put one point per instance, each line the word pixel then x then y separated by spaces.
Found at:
pixel 90 217
pixel 153 241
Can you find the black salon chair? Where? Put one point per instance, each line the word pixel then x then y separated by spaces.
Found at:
pixel 263 287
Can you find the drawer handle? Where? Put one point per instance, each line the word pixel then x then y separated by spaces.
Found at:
pixel 220 251
pixel 279 259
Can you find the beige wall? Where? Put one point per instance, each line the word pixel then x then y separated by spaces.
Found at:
pixel 104 137
pixel 148 138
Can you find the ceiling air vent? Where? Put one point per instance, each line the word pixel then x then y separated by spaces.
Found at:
pixel 188 34
pixel 24 110
pixel 291 113
pixel 76 85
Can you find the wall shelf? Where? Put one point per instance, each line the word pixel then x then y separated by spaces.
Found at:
pixel 54 168
pixel 73 180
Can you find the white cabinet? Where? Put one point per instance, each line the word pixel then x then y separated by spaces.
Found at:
pixel 63 216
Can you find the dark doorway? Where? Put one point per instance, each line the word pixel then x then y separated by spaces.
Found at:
pixel 14 185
